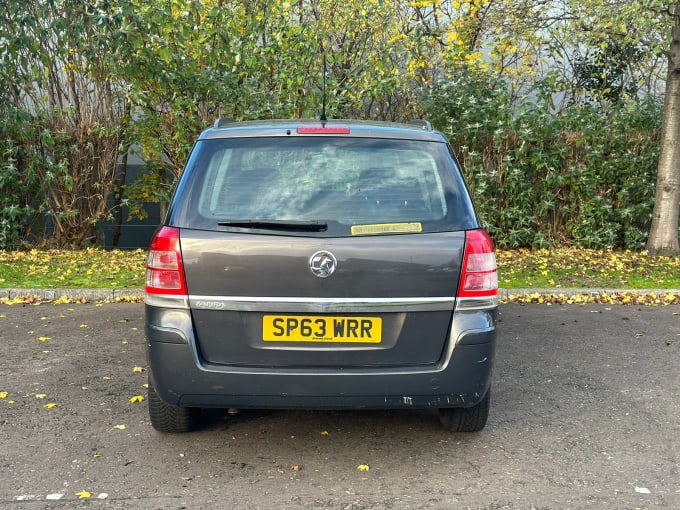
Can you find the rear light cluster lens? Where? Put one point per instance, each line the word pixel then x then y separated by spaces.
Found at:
pixel 164 266
pixel 479 277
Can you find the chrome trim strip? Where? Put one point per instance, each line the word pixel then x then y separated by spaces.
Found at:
pixel 320 305
pixel 167 301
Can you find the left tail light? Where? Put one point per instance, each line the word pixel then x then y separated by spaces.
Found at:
pixel 164 265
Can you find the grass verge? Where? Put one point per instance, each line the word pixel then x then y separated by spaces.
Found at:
pixel 88 269
pixel 556 270
pixel 568 268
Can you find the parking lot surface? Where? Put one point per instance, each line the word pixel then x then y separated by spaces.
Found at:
pixel 585 414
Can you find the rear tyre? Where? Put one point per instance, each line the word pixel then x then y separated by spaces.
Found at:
pixel 466 419
pixel 170 418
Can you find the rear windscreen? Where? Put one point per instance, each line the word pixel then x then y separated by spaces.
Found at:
pixel 344 183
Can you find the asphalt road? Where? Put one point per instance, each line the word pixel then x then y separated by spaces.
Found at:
pixel 585 414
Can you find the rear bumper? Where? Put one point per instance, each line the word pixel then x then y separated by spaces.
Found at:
pixel 460 379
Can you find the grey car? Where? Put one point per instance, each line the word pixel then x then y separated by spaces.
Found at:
pixel 316 265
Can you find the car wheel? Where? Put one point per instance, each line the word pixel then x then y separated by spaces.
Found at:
pixel 171 418
pixel 466 419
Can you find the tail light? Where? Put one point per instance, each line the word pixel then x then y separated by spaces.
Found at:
pixel 479 277
pixel 164 266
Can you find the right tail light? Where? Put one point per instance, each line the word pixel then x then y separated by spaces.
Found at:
pixel 479 276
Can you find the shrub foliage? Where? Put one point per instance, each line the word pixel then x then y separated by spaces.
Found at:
pixel 85 81
pixel 582 176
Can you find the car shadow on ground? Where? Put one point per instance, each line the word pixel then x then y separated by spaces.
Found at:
pixel 227 419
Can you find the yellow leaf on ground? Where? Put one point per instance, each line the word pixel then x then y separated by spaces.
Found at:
pixel 44 338
pixel 324 432
pixel 83 325
pixel 363 467
pixel 3 394
pixel 41 395
pixel 51 405
pixel 120 427
pixel 137 399
pixel 139 370
pixel 84 495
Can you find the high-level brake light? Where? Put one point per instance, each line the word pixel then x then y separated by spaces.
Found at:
pixel 323 130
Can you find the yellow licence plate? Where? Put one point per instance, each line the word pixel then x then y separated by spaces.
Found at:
pixel 317 329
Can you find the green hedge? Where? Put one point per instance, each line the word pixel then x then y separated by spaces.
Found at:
pixel 19 183
pixel 583 175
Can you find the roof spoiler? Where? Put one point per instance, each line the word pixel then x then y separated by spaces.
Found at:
pixel 425 125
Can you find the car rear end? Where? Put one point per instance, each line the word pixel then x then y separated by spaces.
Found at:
pixel 326 267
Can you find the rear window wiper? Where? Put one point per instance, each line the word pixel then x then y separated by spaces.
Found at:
pixel 293 226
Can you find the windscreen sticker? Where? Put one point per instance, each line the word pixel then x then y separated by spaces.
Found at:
pixel 386 228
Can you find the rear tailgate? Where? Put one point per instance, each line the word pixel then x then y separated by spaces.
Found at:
pixel 255 301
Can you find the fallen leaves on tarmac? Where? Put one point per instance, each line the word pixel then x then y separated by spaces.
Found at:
pixel 618 298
